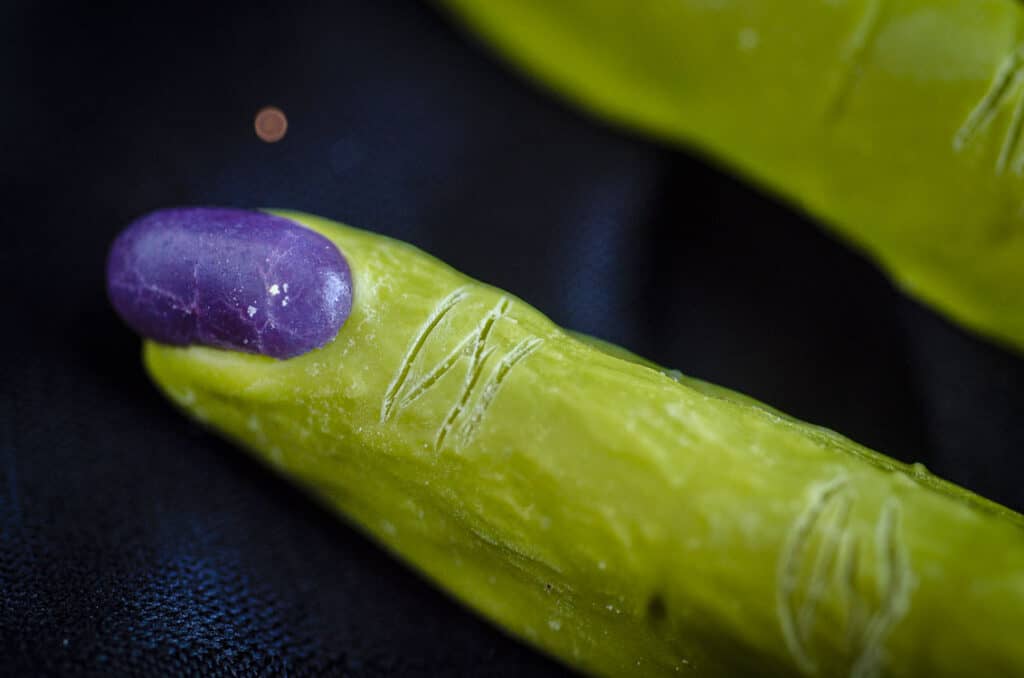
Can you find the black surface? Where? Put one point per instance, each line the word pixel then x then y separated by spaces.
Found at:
pixel 132 542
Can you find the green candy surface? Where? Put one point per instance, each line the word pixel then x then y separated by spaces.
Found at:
pixel 625 519
pixel 897 122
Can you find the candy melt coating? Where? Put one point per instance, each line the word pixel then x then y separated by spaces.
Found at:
pixel 229 278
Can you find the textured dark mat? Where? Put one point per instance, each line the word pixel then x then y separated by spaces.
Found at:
pixel 132 542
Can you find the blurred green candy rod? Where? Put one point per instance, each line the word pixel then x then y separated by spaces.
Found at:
pixel 896 122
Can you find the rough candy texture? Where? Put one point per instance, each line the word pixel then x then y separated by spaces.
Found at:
pixel 229 278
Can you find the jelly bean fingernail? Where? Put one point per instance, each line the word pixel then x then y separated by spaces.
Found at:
pixel 229 278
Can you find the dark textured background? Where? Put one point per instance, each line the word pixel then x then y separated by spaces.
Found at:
pixel 132 542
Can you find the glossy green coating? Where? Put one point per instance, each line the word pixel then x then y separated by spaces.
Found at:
pixel 620 517
pixel 897 122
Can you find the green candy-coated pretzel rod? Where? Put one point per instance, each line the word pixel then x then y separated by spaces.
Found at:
pixel 626 520
pixel 897 122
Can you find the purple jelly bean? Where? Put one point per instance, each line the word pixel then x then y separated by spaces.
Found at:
pixel 229 278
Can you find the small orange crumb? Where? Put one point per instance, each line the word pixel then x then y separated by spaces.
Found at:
pixel 271 124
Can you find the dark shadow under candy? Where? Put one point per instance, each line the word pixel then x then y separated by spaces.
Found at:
pixel 229 278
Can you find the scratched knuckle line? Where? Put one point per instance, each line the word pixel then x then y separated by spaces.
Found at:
pixel 833 530
pixel 446 305
pixel 789 569
pixel 490 390
pixel 1007 88
pixel 822 557
pixel 855 54
pixel 435 374
pixel 478 355
pixel 895 581
pixel 404 389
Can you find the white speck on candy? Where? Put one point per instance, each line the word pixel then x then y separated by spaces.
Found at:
pixel 748 39
pixel 274 290
pixel 555 624
pixel 251 311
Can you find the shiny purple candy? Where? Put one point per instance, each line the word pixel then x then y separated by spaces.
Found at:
pixel 229 278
